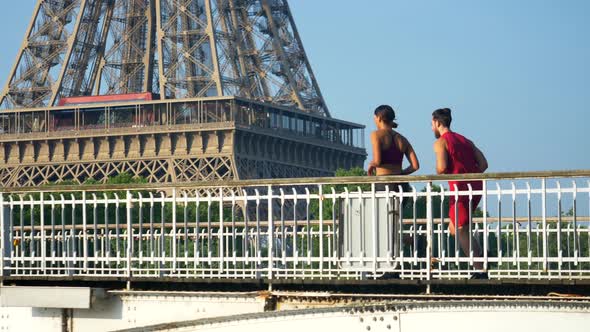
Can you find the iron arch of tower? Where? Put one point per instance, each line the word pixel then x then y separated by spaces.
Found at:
pixel 174 48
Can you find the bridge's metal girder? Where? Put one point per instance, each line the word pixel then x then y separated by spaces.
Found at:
pixel 182 310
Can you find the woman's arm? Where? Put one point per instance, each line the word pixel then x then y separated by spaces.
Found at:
pixel 412 158
pixel 376 144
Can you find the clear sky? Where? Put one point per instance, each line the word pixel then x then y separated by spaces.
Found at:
pixel 515 73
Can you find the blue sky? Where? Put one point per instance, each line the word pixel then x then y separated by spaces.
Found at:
pixel 515 73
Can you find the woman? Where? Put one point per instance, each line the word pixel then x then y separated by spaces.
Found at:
pixel 390 147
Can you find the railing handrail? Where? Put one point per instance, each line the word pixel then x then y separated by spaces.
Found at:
pixel 348 180
pixel 314 222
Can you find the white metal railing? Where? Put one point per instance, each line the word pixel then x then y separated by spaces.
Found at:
pixel 530 225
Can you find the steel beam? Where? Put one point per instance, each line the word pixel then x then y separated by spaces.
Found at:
pixel 217 74
pixel 72 39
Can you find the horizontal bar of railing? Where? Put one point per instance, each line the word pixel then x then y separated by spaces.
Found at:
pixel 290 223
pixel 290 182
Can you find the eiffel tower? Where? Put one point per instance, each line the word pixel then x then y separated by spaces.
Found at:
pixel 169 90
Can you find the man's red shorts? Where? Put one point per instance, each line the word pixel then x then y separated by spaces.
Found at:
pixel 461 206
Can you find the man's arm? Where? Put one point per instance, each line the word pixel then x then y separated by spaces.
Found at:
pixel 481 160
pixel 440 150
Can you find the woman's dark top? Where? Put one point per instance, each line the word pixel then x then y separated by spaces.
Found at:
pixel 392 155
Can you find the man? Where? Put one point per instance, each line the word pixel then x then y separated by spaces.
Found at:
pixel 456 154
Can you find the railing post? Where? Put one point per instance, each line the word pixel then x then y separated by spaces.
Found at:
pixel 499 227
pixel 152 230
pixel 85 231
pixel 374 226
pixel 221 233
pixel 5 243
pixel 575 221
pixel 443 248
pixel 544 216
pixel 33 247
pixel 53 237
pixel 470 228
pixel 558 228
pixel 117 227
pixel 515 229
pixel 456 208
pixel 321 235
pixel 73 254
pixel 173 253
pixel 140 229
pixel 485 225
pixel 129 236
pixel 95 245
pixel 335 232
pixel 42 224
pixel 295 250
pixel 106 248
pixel 429 237
pixel 163 233
pixel 270 233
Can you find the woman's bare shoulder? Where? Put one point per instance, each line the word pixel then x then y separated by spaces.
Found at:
pixel 399 137
pixel 379 133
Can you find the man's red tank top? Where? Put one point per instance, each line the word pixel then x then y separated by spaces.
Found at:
pixel 461 154
pixel 461 160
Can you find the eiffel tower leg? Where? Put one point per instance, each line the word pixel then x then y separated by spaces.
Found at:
pixel 148 60
pixel 213 47
pixel 45 46
pixel 98 66
pixel 160 48
pixel 6 99
pixel 279 49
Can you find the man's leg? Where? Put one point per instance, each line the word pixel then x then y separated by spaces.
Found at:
pixel 464 235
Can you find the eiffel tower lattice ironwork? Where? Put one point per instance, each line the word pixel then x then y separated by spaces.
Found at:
pixel 168 90
pixel 175 48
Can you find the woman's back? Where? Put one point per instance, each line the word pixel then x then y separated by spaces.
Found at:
pixel 393 147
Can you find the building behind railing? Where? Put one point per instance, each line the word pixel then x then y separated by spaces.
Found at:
pixel 170 141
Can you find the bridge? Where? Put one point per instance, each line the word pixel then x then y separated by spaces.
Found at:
pixel 347 251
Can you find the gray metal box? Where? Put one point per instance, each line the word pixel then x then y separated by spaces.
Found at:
pixel 362 238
